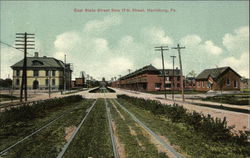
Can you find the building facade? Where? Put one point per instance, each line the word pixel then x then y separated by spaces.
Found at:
pixel 43 73
pixel 150 79
pixel 223 78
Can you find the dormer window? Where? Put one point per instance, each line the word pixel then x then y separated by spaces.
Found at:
pixel 37 62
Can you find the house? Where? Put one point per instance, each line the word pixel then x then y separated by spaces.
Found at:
pixel 223 78
pixel 149 78
pixel 189 83
pixel 42 73
pixel 244 83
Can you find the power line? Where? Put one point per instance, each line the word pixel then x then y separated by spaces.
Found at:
pixel 13 47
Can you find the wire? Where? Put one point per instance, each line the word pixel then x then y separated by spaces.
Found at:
pixel 13 47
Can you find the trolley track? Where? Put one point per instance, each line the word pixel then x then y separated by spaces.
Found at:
pixel 42 128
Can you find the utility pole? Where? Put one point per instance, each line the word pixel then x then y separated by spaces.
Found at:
pixel 23 43
pixel 162 48
pixel 173 57
pixel 64 74
pixel 49 83
pixel 179 53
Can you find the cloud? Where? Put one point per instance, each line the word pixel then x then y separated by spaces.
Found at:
pixel 157 62
pixel 238 40
pixel 191 40
pixel 98 26
pixel 241 64
pixel 9 56
pixel 195 42
pixel 211 48
pixel 156 35
pixel 66 41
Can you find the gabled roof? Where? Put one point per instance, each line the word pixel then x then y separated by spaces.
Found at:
pixel 148 68
pixel 40 62
pixel 215 73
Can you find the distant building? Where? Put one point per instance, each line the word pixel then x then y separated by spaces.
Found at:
pixel 244 83
pixel 149 78
pixel 189 83
pixel 42 72
pixel 223 78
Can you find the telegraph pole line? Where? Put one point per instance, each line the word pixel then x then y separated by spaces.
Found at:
pixel 64 84
pixel 173 57
pixel 49 83
pixel 161 49
pixel 179 53
pixel 24 43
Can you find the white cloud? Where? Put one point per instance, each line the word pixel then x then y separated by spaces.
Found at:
pixel 66 41
pixel 157 62
pixel 211 48
pixel 9 56
pixel 237 40
pixel 241 64
pixel 156 35
pixel 191 40
pixel 97 26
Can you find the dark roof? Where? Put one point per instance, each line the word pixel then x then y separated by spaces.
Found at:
pixel 215 73
pixel 40 62
pixel 148 68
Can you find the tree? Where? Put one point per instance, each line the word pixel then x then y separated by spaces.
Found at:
pixel 192 74
pixel 7 83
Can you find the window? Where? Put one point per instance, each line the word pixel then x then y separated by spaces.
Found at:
pixel 170 78
pixel 157 85
pixel 167 78
pixel 36 72
pixel 17 72
pixel 178 84
pixel 235 84
pixel 228 82
pixel 178 78
pixel 168 85
pixel 53 82
pixel 17 82
pixel 202 83
pixel 53 73
pixel 47 72
pixel 47 82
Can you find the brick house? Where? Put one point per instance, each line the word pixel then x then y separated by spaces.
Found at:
pixel 223 78
pixel 149 78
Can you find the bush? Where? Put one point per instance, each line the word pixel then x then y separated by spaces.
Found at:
pixel 37 109
pixel 210 128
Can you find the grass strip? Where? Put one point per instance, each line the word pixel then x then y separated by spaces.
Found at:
pixel 49 141
pixel 184 137
pixel 137 144
pixel 93 138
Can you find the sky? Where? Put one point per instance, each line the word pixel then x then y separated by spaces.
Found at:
pixel 106 43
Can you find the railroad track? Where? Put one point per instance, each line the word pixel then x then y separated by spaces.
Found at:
pixel 38 130
pixel 60 155
pixel 157 137
pixel 113 140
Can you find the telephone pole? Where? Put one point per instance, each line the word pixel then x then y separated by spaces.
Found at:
pixel 49 83
pixel 24 41
pixel 179 53
pixel 64 75
pixel 162 48
pixel 173 57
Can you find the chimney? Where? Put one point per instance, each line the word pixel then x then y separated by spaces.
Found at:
pixel 176 68
pixel 36 54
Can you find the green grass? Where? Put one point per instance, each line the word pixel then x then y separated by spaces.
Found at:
pixel 180 134
pixel 236 99
pixel 93 138
pixel 49 141
pixel 136 145
pixel 176 92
